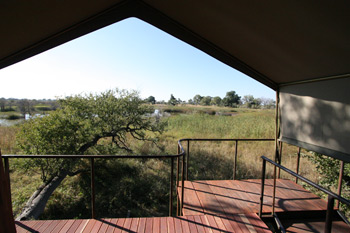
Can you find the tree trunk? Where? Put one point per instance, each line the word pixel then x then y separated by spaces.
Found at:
pixel 37 202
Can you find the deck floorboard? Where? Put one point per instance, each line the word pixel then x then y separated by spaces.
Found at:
pixel 191 224
pixel 227 197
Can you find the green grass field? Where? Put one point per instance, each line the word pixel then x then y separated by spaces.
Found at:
pixel 209 160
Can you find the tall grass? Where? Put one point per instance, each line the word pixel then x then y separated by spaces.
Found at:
pixel 208 160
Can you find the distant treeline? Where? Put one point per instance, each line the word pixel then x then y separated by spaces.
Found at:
pixel 230 100
pixel 27 106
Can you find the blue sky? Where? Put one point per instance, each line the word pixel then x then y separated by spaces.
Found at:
pixel 130 54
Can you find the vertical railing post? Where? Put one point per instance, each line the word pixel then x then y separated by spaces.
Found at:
pixel 93 213
pixel 298 164
pixel 188 157
pixel 274 190
pixel 178 167
pixel 177 181
pixel 7 176
pixel 171 187
pixel 340 181
pixel 182 184
pixel 235 160
pixel 329 214
pixel 262 187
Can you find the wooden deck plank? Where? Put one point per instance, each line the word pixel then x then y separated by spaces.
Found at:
pixel 45 225
pixel 52 225
pixel 171 225
pixel 212 223
pixel 194 207
pixel 205 223
pixel 96 227
pixel 243 196
pixel 104 225
pixel 258 224
pixel 134 224
pixel 163 225
pixel 59 226
pixel 177 224
pixel 229 201
pixel 184 224
pixel 119 225
pixel 112 224
pixel 199 224
pixel 246 200
pixel 207 198
pixel 191 224
pixel 149 225
pixel 127 225
pixel 156 225
pixel 89 226
pixel 22 227
pixel 142 225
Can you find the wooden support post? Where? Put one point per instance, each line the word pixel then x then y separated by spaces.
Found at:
pixel 7 223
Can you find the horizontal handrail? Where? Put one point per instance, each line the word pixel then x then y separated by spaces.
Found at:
pixel 228 139
pixel 336 196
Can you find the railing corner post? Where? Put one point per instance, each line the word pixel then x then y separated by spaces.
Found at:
pixel 329 214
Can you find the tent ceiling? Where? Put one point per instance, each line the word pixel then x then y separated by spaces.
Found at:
pixel 275 42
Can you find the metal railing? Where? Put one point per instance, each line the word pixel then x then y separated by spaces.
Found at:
pixel 182 157
pixel 331 196
pixel 186 161
pixel 180 154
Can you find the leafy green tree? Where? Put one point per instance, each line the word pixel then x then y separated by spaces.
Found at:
pixel 151 100
pixel 206 100
pixel 172 101
pixel 216 101
pixel 231 99
pixel 92 124
pixel 197 99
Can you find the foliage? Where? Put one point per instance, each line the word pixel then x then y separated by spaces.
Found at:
pixel 172 101
pixel 83 125
pixel 151 100
pixel 328 168
pixel 206 101
pixel 231 99
pixel 197 99
pixel 216 101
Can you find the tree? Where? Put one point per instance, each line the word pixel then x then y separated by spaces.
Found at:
pixel 205 100
pixel 151 100
pixel 172 101
pixel 216 101
pixel 197 99
pixel 25 106
pixel 92 124
pixel 231 99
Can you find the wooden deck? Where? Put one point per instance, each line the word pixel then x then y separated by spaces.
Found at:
pixel 203 223
pixel 227 197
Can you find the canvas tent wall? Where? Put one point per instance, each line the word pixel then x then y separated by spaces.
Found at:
pixel 276 42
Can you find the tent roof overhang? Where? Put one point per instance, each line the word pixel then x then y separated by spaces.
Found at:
pixel 275 42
